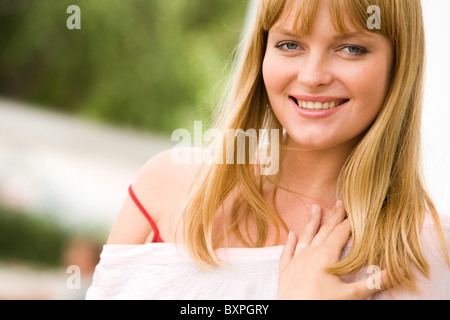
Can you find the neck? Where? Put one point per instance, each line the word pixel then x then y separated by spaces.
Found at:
pixel 314 174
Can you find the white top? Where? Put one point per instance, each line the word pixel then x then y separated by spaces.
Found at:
pixel 166 272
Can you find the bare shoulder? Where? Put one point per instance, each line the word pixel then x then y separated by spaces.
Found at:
pixel 162 187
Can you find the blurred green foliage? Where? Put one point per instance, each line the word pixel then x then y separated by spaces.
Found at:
pixel 30 238
pixel 150 64
pixel 41 240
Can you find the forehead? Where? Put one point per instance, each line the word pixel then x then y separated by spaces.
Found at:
pixel 299 16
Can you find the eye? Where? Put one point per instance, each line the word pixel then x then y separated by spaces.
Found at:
pixel 355 51
pixel 288 46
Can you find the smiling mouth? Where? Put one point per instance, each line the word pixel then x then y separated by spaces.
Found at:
pixel 315 105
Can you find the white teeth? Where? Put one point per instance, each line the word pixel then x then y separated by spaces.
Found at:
pixel 310 105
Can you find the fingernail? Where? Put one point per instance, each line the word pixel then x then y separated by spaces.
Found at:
pixel 339 204
pixel 315 209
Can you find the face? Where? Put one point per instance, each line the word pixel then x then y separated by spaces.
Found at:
pixel 327 88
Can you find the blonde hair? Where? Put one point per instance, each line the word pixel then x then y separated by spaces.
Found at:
pixel 381 183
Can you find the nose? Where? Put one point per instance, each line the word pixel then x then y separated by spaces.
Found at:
pixel 315 71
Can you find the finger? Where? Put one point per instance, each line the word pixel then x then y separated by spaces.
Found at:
pixel 338 238
pixel 338 216
pixel 377 282
pixel 288 251
pixel 310 230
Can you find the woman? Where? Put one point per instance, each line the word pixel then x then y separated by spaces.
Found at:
pixel 347 100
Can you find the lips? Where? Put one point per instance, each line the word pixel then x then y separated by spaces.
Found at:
pixel 318 103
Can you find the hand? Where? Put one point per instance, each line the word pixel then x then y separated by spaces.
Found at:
pixel 303 274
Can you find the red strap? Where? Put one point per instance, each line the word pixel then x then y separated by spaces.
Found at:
pixel 156 237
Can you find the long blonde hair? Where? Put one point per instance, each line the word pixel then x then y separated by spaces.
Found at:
pixel 381 183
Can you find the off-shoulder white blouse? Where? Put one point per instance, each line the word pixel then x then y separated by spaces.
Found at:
pixel 166 271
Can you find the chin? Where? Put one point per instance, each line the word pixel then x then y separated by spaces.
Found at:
pixel 316 143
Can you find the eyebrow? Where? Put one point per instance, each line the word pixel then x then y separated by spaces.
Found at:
pixel 283 32
pixel 338 37
pixel 350 35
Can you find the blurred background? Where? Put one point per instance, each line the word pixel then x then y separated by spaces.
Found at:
pixel 81 111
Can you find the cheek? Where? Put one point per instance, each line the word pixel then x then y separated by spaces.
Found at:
pixel 368 85
pixel 270 76
pixel 276 74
